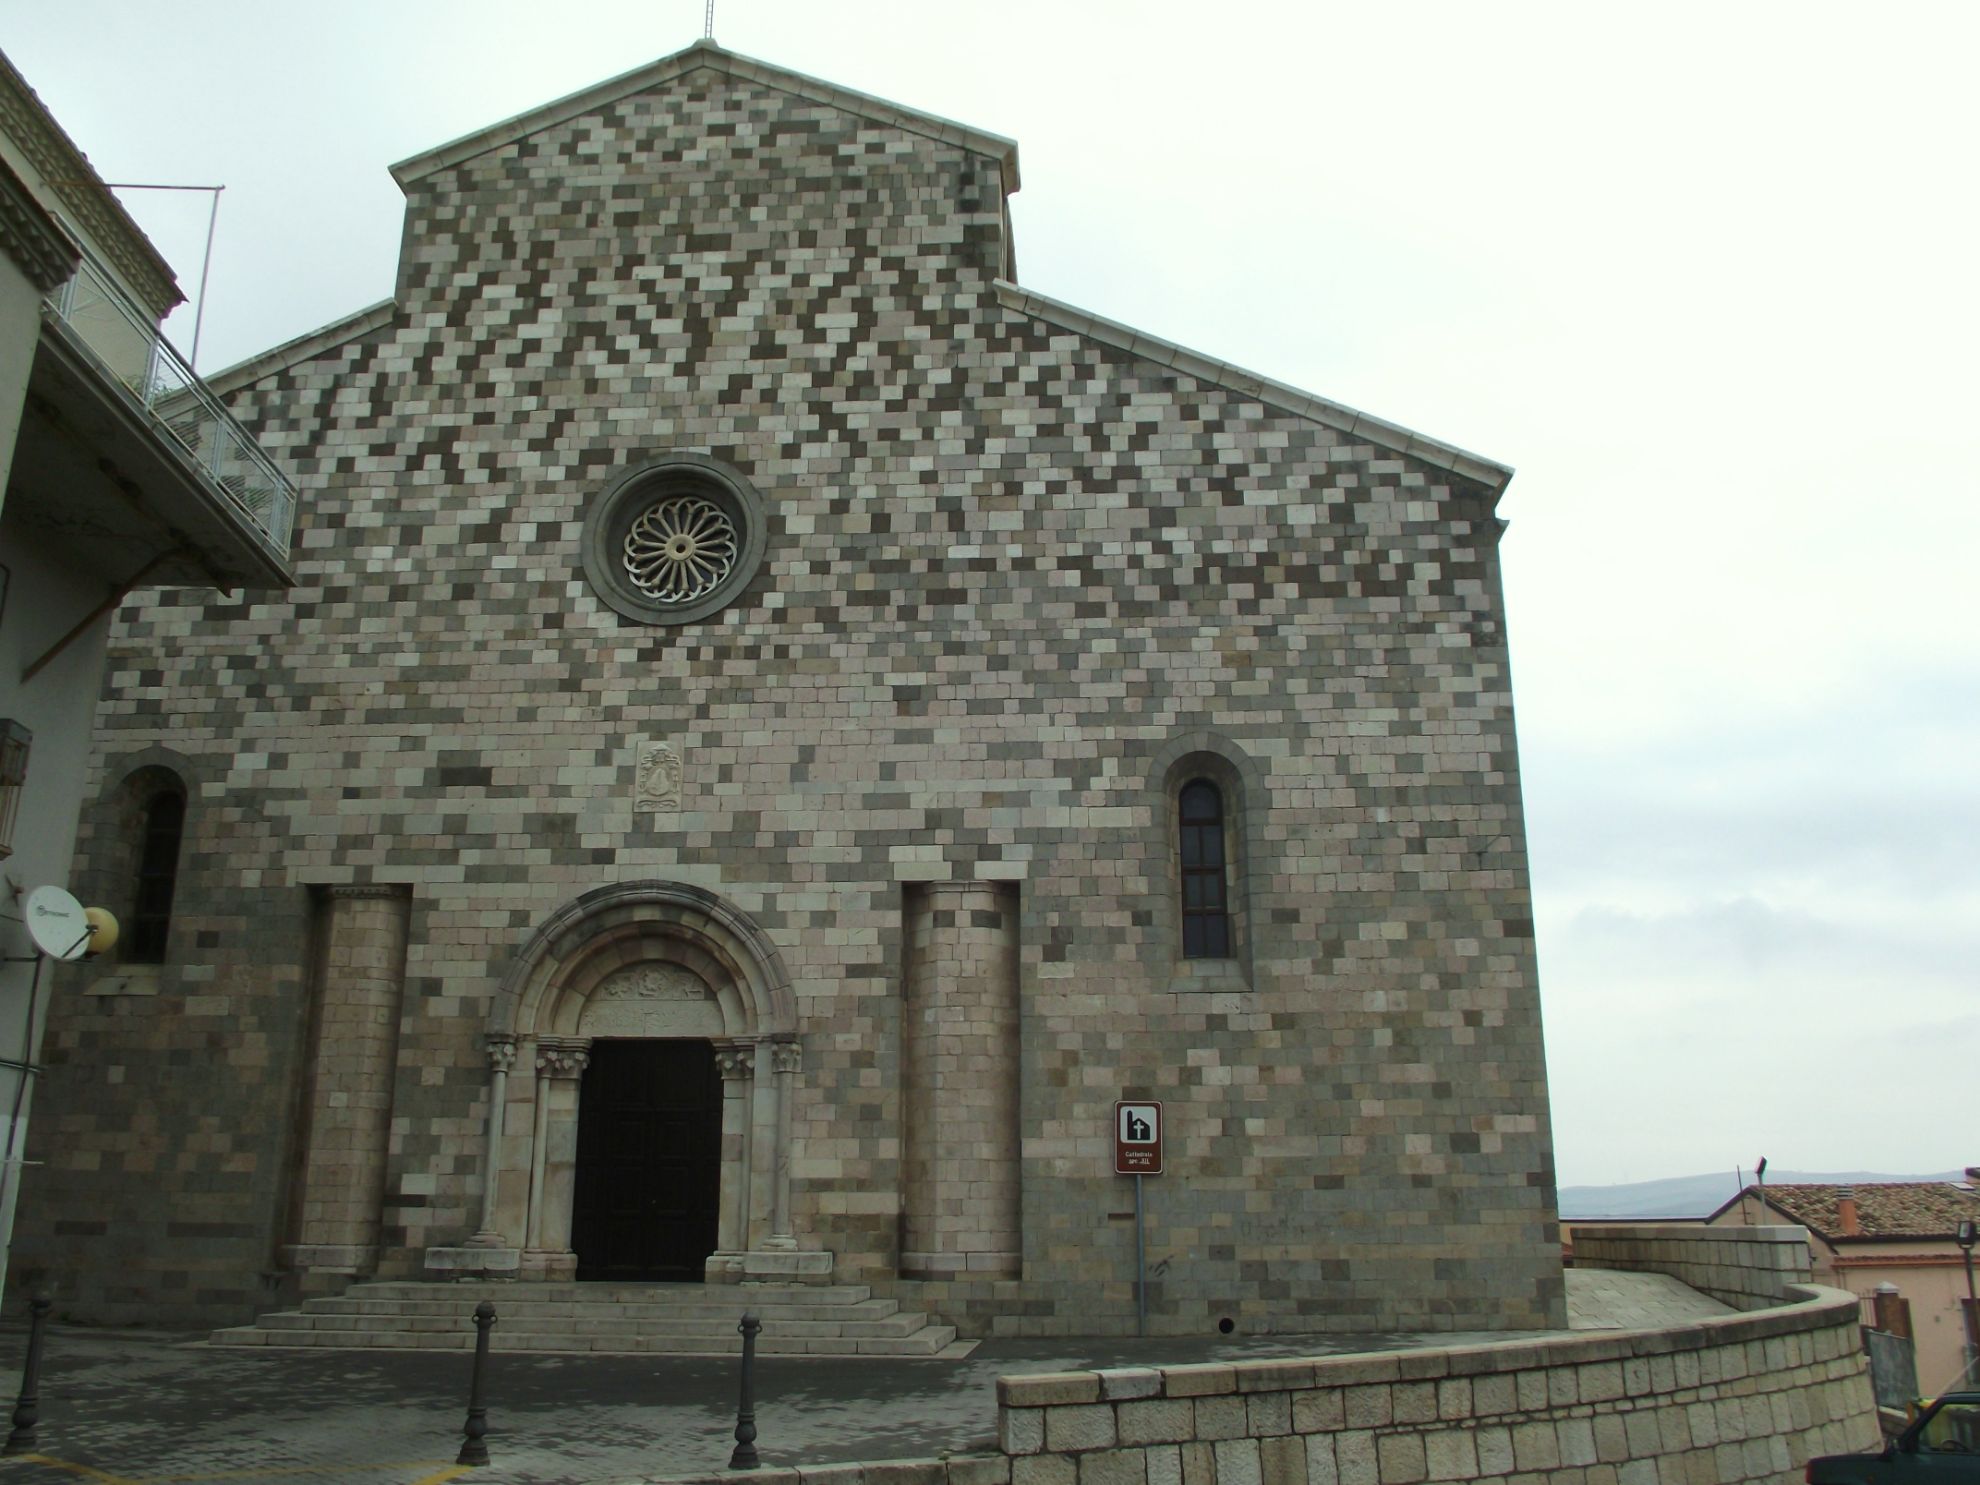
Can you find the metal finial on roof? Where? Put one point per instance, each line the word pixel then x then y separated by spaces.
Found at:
pixel 708 21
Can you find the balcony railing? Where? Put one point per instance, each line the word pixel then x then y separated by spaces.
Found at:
pixel 137 356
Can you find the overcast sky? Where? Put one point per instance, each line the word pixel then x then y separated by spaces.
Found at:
pixel 1705 275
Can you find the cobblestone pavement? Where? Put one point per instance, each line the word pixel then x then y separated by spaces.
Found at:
pixel 141 1408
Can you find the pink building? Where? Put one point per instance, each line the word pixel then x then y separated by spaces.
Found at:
pixel 1901 1233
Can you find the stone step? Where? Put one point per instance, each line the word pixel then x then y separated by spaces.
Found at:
pixel 743 1296
pixel 623 1319
pixel 355 1303
pixel 929 1341
pixel 704 1326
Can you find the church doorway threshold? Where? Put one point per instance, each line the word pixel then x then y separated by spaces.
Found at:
pixel 649 1161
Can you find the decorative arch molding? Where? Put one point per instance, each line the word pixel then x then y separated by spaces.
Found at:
pixel 1202 753
pixel 1163 764
pixel 585 942
pixel 643 960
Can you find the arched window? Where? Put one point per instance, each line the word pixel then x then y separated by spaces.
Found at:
pixel 157 874
pixel 1206 909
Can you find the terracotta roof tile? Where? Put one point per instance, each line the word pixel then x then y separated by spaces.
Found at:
pixel 1921 1209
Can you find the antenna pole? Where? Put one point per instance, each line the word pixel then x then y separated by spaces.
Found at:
pixel 212 217
pixel 708 21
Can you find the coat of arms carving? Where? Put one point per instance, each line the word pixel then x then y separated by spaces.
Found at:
pixel 657 784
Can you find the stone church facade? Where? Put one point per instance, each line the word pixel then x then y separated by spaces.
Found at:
pixel 778 728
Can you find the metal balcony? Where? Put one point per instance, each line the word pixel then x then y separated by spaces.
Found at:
pixel 94 325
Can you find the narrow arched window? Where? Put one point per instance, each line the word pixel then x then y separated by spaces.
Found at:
pixel 1206 911
pixel 157 874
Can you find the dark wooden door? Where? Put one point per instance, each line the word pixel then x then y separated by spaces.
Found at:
pixel 649 1160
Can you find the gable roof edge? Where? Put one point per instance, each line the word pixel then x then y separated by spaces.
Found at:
pixel 1277 394
pixel 303 348
pixel 707 54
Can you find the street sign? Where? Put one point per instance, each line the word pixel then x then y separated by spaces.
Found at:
pixel 1137 1138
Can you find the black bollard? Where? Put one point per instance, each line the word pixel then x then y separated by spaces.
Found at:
pixel 745 1456
pixel 27 1411
pixel 475 1449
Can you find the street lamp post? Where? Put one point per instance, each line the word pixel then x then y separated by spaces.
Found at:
pixel 1964 1237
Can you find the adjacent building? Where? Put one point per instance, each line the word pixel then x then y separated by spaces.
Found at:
pixel 1900 1234
pixel 120 475
pixel 778 729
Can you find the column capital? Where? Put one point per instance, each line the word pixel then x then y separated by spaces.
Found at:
pixel 501 1053
pixel 785 1057
pixel 562 1057
pixel 735 1060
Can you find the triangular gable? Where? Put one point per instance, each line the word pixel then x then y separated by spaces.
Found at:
pixel 708 54
pixel 1280 395
pixel 305 347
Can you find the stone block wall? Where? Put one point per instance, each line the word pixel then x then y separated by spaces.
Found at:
pixel 1746 1397
pixel 960 1178
pixel 1021 574
pixel 1749 1268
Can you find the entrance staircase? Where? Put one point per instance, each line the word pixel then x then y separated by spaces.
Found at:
pixel 609 1319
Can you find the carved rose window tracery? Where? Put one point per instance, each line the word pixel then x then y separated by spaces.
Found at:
pixel 673 540
pixel 680 549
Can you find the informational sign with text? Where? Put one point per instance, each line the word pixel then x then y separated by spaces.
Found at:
pixel 1137 1138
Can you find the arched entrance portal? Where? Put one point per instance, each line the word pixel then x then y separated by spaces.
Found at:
pixel 648 1136
pixel 646 1198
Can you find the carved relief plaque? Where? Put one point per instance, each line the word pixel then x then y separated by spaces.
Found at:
pixel 657 783
pixel 652 1000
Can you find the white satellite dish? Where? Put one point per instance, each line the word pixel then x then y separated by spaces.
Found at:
pixel 57 924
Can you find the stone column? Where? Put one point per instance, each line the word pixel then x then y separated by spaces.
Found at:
pixel 560 1063
pixel 501 1058
pixel 359 983
pixel 784 1060
pixel 959 1072
pixel 736 1061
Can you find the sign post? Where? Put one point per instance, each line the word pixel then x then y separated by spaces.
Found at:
pixel 1138 1153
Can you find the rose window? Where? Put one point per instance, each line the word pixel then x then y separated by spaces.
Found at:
pixel 674 539
pixel 680 549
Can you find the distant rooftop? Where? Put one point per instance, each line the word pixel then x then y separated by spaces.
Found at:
pixel 1911 1209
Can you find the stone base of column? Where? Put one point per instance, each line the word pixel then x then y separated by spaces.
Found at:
pixel 548 1263
pixel 769 1265
pixel 348 1260
pixel 488 1238
pixel 962 1265
pixel 474 1262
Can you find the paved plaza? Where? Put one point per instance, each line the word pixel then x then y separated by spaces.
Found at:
pixel 143 1408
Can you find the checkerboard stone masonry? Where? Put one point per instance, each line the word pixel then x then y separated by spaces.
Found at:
pixel 1022 571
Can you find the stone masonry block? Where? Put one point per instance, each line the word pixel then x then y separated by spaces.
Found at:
pixel 1414 1402
pixel 1074 1429
pixel 1402 1459
pixel 1045 1469
pixel 1237 1462
pixel 1114 1467
pixel 979 1469
pixel 1268 1413
pixel 1282 1460
pixel 1450 1454
pixel 1198 1381
pixel 1220 1418
pixel 1130 1382
pixel 1369 1407
pixel 1021 1430
pixel 1048 1389
pixel 1321 1410
pixel 1156 1421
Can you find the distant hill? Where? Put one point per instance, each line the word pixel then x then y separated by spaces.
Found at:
pixel 1700 1196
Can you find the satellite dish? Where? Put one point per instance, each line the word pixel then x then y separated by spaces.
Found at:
pixel 57 924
